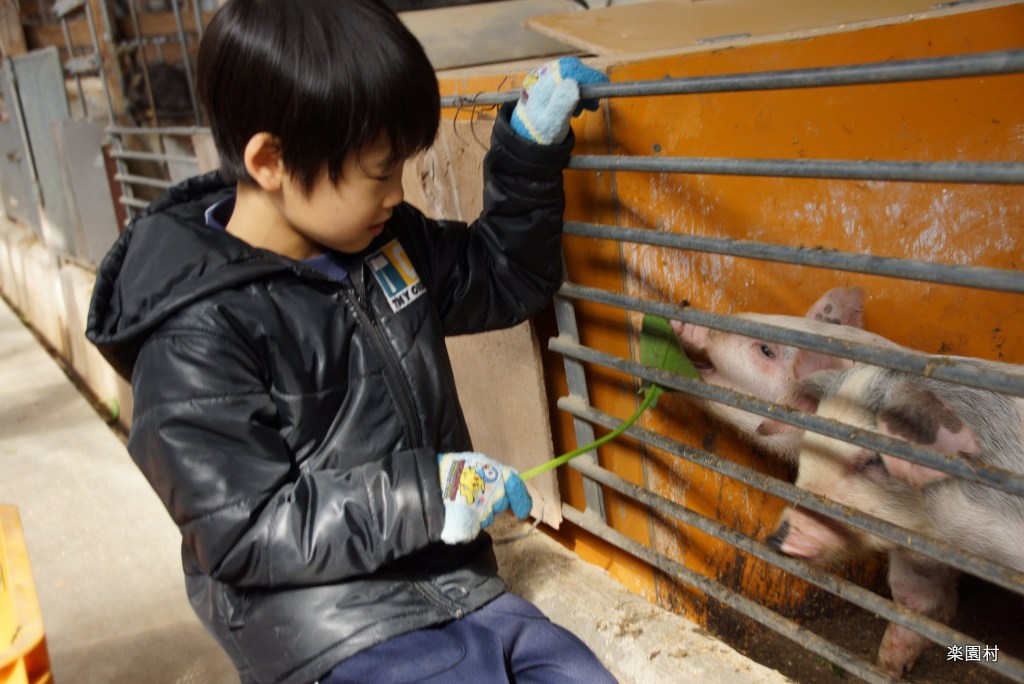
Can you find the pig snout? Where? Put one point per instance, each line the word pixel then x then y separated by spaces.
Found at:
pixel 778 536
pixel 693 339
pixel 805 535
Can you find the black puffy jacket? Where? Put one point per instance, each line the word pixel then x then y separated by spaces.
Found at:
pixel 290 423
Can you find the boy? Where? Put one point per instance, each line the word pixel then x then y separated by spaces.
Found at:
pixel 283 328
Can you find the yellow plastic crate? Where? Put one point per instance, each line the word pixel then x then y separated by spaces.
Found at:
pixel 23 655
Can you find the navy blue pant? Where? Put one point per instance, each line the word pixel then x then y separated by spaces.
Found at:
pixel 508 640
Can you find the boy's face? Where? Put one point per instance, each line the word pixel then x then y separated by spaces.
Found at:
pixel 346 216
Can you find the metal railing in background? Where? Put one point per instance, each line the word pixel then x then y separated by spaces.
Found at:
pixel 996 377
pixel 167 127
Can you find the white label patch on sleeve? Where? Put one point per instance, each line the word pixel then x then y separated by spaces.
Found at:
pixel 395 275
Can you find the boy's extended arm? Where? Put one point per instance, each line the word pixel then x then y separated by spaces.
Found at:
pixel 206 436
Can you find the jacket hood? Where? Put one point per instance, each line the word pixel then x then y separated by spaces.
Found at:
pixel 164 261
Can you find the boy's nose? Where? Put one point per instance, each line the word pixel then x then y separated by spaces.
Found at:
pixel 395 197
pixel 395 193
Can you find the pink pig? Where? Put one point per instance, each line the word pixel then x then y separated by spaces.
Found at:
pixel 769 370
pixel 958 420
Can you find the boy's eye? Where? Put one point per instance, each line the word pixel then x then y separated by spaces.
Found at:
pixel 385 176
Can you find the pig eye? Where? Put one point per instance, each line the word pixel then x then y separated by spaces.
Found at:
pixel 873 464
pixel 767 351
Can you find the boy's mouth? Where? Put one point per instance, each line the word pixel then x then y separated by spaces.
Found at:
pixel 378 228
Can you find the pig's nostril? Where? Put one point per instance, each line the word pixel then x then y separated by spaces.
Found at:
pixel 700 360
pixel 778 536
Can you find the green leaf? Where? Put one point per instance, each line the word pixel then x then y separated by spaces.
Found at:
pixel 659 348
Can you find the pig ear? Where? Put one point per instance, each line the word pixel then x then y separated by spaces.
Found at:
pixel 812 387
pixel 842 305
pixel 770 426
pixel 806 362
pixel 805 397
pixel 914 413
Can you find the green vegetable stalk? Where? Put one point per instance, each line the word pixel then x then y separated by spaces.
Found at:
pixel 658 349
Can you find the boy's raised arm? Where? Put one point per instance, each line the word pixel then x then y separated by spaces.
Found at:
pixel 507 264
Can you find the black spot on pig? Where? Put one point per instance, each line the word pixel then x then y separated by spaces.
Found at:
pixel 917 414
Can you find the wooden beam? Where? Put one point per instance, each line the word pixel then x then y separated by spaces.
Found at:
pixel 160 24
pixel 111 65
pixel 12 36
pixel 41 36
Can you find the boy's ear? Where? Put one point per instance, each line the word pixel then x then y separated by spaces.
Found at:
pixel 263 161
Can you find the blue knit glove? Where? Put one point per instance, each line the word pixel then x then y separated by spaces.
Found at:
pixel 551 97
pixel 474 488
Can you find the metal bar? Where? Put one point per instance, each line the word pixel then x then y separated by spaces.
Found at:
pixel 990 476
pixel 199 20
pixel 933 548
pixel 133 203
pixel 86 64
pixel 96 50
pixel 186 61
pixel 907 269
pixel 71 55
pixel 787 628
pixel 153 156
pixel 140 45
pixel 132 44
pixel 935 631
pixel 912 171
pixel 165 130
pixel 576 379
pixel 949 368
pixel 959 66
pixel 143 180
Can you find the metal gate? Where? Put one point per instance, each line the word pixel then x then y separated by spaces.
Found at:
pixel 581 360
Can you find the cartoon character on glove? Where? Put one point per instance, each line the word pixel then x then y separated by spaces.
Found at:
pixel 475 488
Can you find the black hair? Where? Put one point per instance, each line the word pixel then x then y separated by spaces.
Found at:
pixel 325 77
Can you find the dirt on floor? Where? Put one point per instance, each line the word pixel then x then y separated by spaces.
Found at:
pixel 993 616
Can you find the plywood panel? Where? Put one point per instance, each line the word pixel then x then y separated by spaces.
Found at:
pixel 673 25
pixel 485 33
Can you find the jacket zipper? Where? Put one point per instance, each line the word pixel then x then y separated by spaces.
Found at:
pixel 398 385
pixel 436 596
pixel 399 389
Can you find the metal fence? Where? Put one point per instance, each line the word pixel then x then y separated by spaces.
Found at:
pixel 578 357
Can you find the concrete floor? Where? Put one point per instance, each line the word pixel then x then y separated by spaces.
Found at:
pixel 107 570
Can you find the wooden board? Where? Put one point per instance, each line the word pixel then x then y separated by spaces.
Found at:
pixel 486 33
pixel 680 25
pixel 12 36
